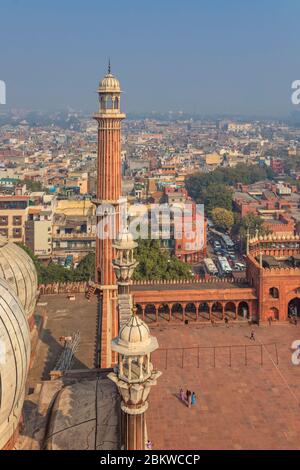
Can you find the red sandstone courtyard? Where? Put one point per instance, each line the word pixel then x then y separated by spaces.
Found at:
pixel 249 406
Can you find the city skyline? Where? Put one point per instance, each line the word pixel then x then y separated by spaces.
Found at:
pixel 196 57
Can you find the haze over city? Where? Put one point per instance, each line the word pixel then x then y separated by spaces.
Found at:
pixel 198 57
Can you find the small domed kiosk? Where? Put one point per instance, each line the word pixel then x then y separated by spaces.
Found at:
pixel 134 377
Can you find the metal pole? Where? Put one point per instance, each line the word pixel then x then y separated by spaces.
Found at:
pixel 277 358
pixel 214 357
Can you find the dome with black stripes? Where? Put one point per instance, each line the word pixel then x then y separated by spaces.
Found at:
pixel 14 362
pixel 134 332
pixel 18 269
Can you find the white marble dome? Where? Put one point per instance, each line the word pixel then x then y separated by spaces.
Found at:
pixel 134 338
pixel 14 361
pixel 134 331
pixel 109 84
pixel 18 269
pixel 125 241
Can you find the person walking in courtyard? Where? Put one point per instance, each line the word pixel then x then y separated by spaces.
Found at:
pixel 252 336
pixel 149 445
pixel 182 395
pixel 270 319
pixel 194 398
pixel 189 398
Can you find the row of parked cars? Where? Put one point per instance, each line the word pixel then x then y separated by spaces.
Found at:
pixel 228 253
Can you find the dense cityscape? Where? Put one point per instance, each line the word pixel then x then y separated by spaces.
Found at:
pixel 48 177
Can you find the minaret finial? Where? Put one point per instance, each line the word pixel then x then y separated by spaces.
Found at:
pixel 109 66
pixel 248 242
pixel 134 312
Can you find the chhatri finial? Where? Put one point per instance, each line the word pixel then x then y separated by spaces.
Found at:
pixel 109 67
pixel 134 312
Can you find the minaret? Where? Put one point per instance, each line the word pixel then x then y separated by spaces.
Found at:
pixel 109 118
pixel 134 377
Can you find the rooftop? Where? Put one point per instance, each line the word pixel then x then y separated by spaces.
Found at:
pixel 63 318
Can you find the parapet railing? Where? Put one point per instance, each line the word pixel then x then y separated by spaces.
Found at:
pixel 210 280
pixel 169 354
pixel 63 288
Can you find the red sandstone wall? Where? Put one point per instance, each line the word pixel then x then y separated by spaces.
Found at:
pixel 63 288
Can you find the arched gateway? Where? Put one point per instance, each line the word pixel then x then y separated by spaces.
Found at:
pixel 294 308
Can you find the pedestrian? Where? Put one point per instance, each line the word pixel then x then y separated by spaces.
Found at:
pixel 181 395
pixel 226 322
pixel 252 336
pixel 149 445
pixel 270 319
pixel 194 398
pixel 189 398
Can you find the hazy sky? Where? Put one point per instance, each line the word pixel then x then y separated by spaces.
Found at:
pixel 217 56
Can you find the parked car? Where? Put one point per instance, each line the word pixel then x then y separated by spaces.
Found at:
pixel 239 267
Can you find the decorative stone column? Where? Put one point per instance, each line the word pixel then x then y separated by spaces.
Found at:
pixel 124 264
pixel 134 377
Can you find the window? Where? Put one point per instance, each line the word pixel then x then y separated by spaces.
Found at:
pixel 3 221
pixel 4 232
pixel 17 220
pixel 109 102
pixel 17 233
pixel 274 292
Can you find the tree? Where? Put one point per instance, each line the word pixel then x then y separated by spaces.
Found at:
pixel 156 263
pixel 56 273
pixel 223 219
pixel 203 187
pixel 253 224
pixel 217 196
pixel 86 268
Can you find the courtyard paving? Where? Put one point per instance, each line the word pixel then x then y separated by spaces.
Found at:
pixel 249 406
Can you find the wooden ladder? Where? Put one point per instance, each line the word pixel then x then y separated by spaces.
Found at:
pixel 91 291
